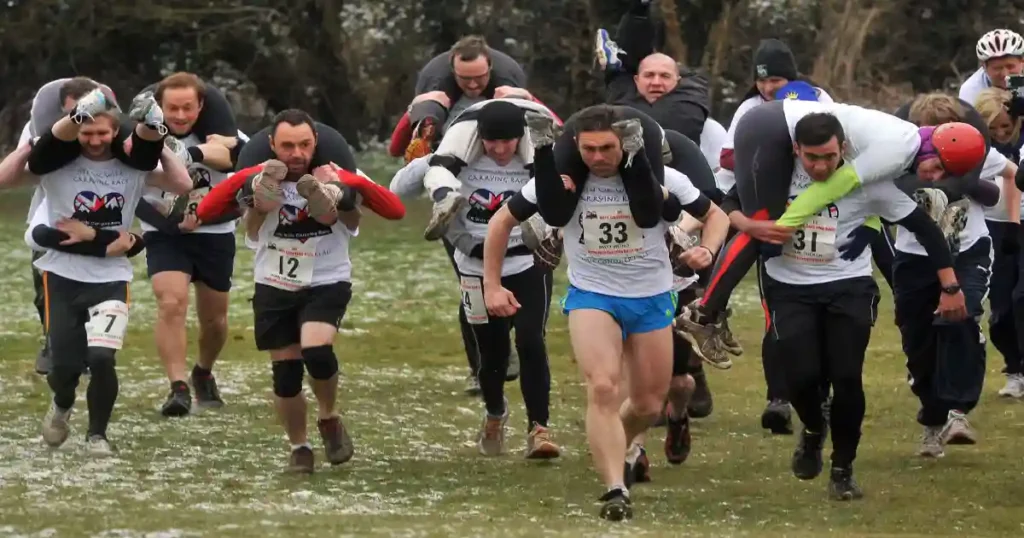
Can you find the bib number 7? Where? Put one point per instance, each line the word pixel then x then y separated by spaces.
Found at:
pixel 108 322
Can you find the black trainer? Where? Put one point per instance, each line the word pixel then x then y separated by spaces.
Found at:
pixel 807 462
pixel 842 486
pixel 617 506
pixel 639 472
pixel 179 401
pixel 778 417
pixel 207 393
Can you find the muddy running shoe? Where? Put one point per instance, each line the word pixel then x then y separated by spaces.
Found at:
pixel 606 52
pixel 703 335
pixel 807 462
pixel 178 403
pixel 958 430
pixel 678 440
pixel 337 443
pixel 56 427
pixel 321 198
pixel 491 439
pixel 729 341
pixel 266 185
pixel 43 360
pixel 472 385
pixel 542 127
pixel 631 133
pixel 92 103
pixel 207 392
pixel 444 212
pixel 931 201
pixel 98 446
pixel 539 445
pixel 1014 387
pixel 842 487
pixel 146 110
pixel 637 471
pixel 931 443
pixel 533 230
pixel 778 417
pixel 302 460
pixel 616 505
pixel 953 222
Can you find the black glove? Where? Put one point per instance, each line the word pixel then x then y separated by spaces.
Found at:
pixel 1011 239
pixel 1015 108
pixel 860 238
pixel 770 250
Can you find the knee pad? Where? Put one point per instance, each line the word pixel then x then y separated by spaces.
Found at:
pixel 321 363
pixel 287 378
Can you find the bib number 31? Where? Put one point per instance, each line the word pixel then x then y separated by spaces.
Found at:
pixel 815 243
pixel 108 321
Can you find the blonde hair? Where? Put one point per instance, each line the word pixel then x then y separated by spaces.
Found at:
pixel 937 108
pixel 991 103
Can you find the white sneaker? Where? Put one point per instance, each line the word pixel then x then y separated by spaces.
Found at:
pixel 1014 386
pixel 147 111
pixel 98 446
pixel 957 430
pixel 444 212
pixel 55 426
pixel 931 443
pixel 92 103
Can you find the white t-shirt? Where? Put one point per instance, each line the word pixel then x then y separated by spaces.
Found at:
pixel 712 138
pixel 975 228
pixel 203 178
pixel 488 186
pixel 880 146
pixel 38 217
pixel 973 86
pixel 606 251
pixel 295 251
pixel 726 179
pixel 811 256
pixel 102 194
pixel 37 194
pixel 998 212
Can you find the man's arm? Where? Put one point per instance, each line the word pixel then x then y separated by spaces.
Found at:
pixel 13 171
pixel 253 221
pixel 1011 192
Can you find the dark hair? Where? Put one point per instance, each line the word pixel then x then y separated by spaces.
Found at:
pixel 596 118
pixel 292 116
pixel 818 128
pixel 468 49
pixel 76 88
pixel 179 80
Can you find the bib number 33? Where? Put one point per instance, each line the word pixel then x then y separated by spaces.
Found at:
pixel 108 322
pixel 610 232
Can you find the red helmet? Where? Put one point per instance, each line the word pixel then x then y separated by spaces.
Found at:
pixel 960 146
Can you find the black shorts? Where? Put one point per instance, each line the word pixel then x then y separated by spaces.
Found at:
pixel 684 361
pixel 279 314
pixel 69 306
pixel 208 258
pixel 798 309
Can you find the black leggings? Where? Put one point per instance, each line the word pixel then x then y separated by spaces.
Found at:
pixel 773 364
pixel 883 250
pixel 823 330
pixel 532 289
pixel 764 170
pixel 330 147
pixel 468 338
pixel 642 180
pixel 689 159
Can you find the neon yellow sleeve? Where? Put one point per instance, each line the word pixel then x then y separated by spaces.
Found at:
pixel 874 223
pixel 818 195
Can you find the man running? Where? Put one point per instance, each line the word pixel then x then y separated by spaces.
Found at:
pixel 86 297
pixel 181 250
pixel 823 301
pixel 303 281
pixel 882 147
pixel 620 302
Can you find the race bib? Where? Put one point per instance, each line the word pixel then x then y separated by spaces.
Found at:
pixel 289 264
pixel 108 321
pixel 194 197
pixel 610 232
pixel 473 300
pixel 814 243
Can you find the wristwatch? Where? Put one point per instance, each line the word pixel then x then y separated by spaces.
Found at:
pixel 951 289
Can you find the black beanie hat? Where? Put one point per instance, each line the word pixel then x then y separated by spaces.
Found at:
pixel 500 120
pixel 774 59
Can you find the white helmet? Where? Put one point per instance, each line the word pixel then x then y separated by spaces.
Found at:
pixel 999 43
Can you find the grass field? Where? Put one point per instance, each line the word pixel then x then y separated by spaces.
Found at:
pixel 416 471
